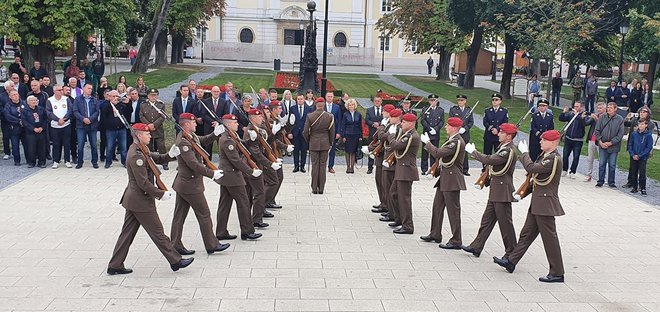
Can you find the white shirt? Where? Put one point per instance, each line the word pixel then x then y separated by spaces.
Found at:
pixel 60 108
pixel 134 113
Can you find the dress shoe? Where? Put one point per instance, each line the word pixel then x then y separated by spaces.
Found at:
pixel 166 167
pixel 315 192
pixel 260 224
pixel 449 246
pixel 331 170
pixel 471 250
pixel 394 224
pixel 78 166
pixel 386 219
pixel 385 214
pixel 633 190
pixel 320 191
pixel 30 166
pixel 599 184
pixel 96 166
pixel 627 185
pixel 378 210
pixel 112 271
pixel 17 164
pixel 185 252
pixel 612 185
pixel 49 157
pixel 182 264
pixel 42 166
pixel 251 236
pixel 273 206
pixel 268 214
pixel 369 171
pixel 505 263
pixel 220 247
pixel 102 158
pixel 467 174
pixel 429 239
pixel 552 279
pixel 107 166
pixel 402 231
pixel 295 169
pixel 376 206
pixel 643 192
pixel 303 170
pixel 226 237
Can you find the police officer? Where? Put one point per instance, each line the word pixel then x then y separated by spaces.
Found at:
pixel 149 115
pixel 464 112
pixel 405 109
pixel 405 148
pixel 433 119
pixel 493 118
pixel 542 121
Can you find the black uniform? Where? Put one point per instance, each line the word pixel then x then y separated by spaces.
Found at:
pixel 468 122
pixel 433 118
pixel 493 118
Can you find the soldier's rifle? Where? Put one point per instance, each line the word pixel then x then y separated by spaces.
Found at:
pixel 242 149
pixel 520 121
pixel 436 164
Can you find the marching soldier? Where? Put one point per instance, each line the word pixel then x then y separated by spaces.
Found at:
pixel 138 199
pixel 498 209
pixel 276 144
pixel 391 198
pixel 463 112
pixel 494 117
pixel 319 131
pixel 405 149
pixel 543 208
pixel 189 186
pixel 433 119
pixel 149 115
pixel 232 184
pixel 450 183
pixel 542 121
pixel 405 109
pixel 378 157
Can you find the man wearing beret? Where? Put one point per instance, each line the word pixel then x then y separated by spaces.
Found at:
pixel 319 131
pixel 275 139
pixel 189 186
pixel 405 148
pixel 150 115
pixel 542 121
pixel 450 183
pixel 542 210
pixel 493 118
pixel 433 119
pixel 389 186
pixel 464 112
pixel 138 199
pixel 498 209
pixel 377 158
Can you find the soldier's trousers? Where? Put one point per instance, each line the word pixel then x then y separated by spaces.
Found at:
pixel 271 183
pixel 404 190
pixel 500 213
pixel 390 195
pixel 272 191
pixel 379 185
pixel 256 196
pixel 319 163
pixel 203 214
pixel 154 228
pixel 158 144
pixel 535 225
pixel 228 194
pixel 452 202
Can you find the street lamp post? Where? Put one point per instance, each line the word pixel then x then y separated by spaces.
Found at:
pixel 203 39
pixel 623 30
pixel 324 78
pixel 302 30
pixel 381 44
pixel 494 69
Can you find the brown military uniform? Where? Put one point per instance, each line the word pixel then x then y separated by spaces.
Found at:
pixel 319 132
pixel 232 187
pixel 138 199
pixel 149 115
pixel 544 206
pixel 189 187
pixel 405 149
pixel 449 186
pixel 277 176
pixel 255 186
pixel 500 196
pixel 378 160
pixel 389 187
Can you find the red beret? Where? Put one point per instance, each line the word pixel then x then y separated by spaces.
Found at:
pixel 455 122
pixel 186 116
pixel 388 107
pixel 551 135
pixel 254 112
pixel 396 113
pixel 140 127
pixel 274 103
pixel 229 117
pixel 410 117
pixel 509 128
pixel 320 100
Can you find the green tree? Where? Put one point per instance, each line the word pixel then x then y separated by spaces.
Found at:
pixel 643 41
pixel 149 39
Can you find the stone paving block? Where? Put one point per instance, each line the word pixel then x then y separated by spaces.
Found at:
pixel 514 307
pixel 221 293
pixel 274 293
pixel 178 304
pixel 325 293
pixel 301 305
pixel 17 304
pixel 135 304
pixel 71 304
pixel 566 307
pixel 356 305
pixel 247 305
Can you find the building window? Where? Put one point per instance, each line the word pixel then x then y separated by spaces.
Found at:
pixel 386 6
pixel 412 46
pixel 246 35
pixel 340 40
pixel 384 44
pixel 289 36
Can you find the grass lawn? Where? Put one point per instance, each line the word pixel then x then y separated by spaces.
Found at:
pixel 361 85
pixel 242 81
pixel 159 78
pixel 249 70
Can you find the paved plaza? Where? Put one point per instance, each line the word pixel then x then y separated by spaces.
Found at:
pixel 321 253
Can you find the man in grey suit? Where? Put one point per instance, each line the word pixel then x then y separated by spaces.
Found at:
pixel 374 117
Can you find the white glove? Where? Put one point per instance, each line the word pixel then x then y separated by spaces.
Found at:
pixel 280 160
pixel 372 156
pixel 429 176
pixel 365 149
pixel 516 196
pixel 386 164
pixel 256 173
pixel 282 122
pixel 470 148
pixel 217 174
pixel 219 129
pixel 252 134
pixel 174 151
pixel 461 131
pixel 432 132
pixel 276 128
pixel 289 148
pixel 167 196
pixel 425 138
pixel 292 119
pixel 276 166
pixel 392 130
pixel 523 147
pixel 384 121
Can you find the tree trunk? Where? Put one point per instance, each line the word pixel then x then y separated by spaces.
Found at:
pixel 571 71
pixel 473 53
pixel 510 51
pixel 44 53
pixel 82 48
pixel 161 49
pixel 536 67
pixel 443 64
pixel 182 50
pixel 142 61
pixel 176 55
pixel 653 66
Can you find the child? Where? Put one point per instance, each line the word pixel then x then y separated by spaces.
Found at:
pixel 640 144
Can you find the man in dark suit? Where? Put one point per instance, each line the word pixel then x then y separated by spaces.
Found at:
pixel 216 105
pixel 463 112
pixel 134 103
pixel 297 119
pixel 334 109
pixel 373 120
pixel 183 104
pixel 433 119
pixel 86 110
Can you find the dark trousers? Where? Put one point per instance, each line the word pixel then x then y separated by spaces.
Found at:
pixel 425 154
pixel 61 139
pixel 555 97
pixel 590 102
pixel 331 155
pixel 452 202
pixel 203 215
pixel 300 147
pixel 256 196
pixel 6 137
pixel 389 187
pixel 490 146
pixel 382 201
pixel 535 225
pixel 574 147
pixel 16 136
pixel 500 213
pixel 35 147
pixel 158 144
pixel 637 173
pixel 404 199
pixel 103 144
pixel 228 194
pixel 114 138
pixel 73 142
pixel 319 160
pixel 88 133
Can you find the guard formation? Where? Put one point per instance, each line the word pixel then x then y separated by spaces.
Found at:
pixel 252 139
